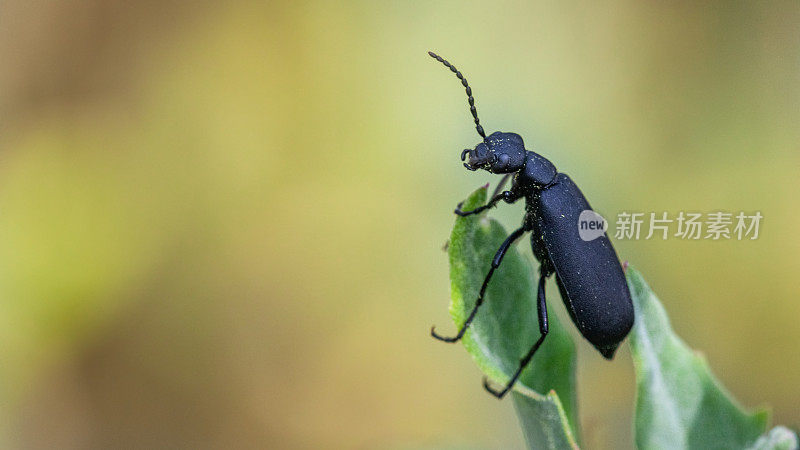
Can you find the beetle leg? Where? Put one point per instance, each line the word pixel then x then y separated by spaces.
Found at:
pixel 508 196
pixel 479 209
pixel 498 258
pixel 501 184
pixel 543 329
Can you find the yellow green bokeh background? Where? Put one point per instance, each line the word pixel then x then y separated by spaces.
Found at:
pixel 221 222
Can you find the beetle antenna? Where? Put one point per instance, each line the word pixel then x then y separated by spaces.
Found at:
pixel 471 100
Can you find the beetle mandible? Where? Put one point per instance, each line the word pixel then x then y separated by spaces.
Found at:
pixel 588 272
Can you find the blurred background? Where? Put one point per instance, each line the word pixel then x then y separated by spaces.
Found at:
pixel 221 223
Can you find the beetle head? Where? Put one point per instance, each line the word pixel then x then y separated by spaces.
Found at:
pixel 498 153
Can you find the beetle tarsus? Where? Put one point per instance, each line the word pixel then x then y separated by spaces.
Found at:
pixel 449 340
pixel 477 210
pixel 499 394
pixel 461 213
pixel 492 203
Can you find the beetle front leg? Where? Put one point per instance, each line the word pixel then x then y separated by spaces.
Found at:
pixel 501 184
pixel 543 329
pixel 507 196
pixel 498 258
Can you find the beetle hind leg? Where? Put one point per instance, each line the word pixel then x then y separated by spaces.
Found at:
pixel 543 330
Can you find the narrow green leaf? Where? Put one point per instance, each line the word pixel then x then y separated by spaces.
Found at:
pixel 679 403
pixel 543 419
pixel 507 326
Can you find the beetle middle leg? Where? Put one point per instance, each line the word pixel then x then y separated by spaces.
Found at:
pixel 543 329
pixel 498 258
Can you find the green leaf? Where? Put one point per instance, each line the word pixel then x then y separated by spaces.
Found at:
pixel 507 326
pixel 679 402
pixel 778 438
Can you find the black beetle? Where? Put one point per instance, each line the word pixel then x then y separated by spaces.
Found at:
pixel 588 273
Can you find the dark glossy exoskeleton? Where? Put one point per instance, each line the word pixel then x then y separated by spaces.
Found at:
pixel 588 272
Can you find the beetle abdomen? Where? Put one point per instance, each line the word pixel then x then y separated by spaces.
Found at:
pixel 588 272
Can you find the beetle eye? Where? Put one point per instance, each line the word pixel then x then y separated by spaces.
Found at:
pixel 503 159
